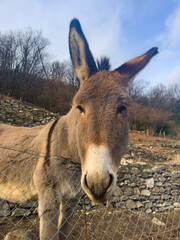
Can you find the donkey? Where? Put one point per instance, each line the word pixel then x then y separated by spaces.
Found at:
pixel 81 150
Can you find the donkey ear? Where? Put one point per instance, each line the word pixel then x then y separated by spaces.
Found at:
pixel 81 57
pixel 129 69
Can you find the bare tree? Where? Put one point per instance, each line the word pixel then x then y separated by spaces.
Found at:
pixel 137 89
pixel 8 51
pixel 70 76
pixel 32 52
pixel 57 71
pixel 148 118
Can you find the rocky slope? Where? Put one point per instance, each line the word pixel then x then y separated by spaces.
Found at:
pixel 149 176
pixel 20 113
pixel 148 184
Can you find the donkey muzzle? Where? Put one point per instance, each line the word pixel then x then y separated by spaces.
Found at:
pixel 98 189
pixel 98 179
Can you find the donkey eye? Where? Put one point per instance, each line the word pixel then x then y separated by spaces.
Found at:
pixel 81 109
pixel 121 109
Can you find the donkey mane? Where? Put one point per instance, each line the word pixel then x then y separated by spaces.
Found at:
pixel 104 63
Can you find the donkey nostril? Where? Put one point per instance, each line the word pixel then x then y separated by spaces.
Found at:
pixel 110 180
pixel 85 181
pixel 98 186
pixel 106 184
pixel 89 185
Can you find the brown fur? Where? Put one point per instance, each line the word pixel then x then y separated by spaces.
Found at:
pixel 100 96
pixel 82 149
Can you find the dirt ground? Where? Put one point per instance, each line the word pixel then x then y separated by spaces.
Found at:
pixel 109 223
pixel 145 149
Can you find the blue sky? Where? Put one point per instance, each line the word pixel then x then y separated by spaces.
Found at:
pixel 120 29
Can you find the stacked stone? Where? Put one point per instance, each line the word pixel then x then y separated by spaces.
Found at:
pixel 19 113
pixel 139 187
pixel 148 190
pixel 17 210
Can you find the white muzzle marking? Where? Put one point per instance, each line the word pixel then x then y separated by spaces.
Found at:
pixel 98 159
pixel 98 178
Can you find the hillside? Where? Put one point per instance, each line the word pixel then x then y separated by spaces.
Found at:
pixel 20 113
pixel 147 191
pixel 142 149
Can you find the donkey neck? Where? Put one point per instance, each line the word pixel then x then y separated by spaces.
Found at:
pixel 63 139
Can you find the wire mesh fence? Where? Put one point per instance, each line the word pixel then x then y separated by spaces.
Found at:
pixel 144 205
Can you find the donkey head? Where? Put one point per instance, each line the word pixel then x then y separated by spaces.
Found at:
pixel 101 109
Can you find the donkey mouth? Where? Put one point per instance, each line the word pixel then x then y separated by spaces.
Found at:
pixel 99 195
pixel 99 198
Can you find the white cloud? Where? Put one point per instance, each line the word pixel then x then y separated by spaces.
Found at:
pixel 171 37
pixel 101 21
pixel 174 76
pixel 167 69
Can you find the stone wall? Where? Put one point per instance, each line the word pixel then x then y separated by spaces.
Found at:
pixel 138 188
pixel 149 189
pixel 19 113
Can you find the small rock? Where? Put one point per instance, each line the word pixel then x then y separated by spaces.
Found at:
pixel 28 205
pixel 145 192
pixel 157 222
pixel 165 196
pixel 4 208
pixel 148 205
pixel 135 170
pixel 156 190
pixel 155 197
pixel 128 191
pixel 17 235
pixel 10 120
pixel 157 169
pixel 168 208
pixel 120 205
pixel 139 204
pixel 177 198
pixel 147 172
pixel 130 204
pixel 115 199
pixel 19 212
pixel 137 191
pixel 166 204
pixel 150 182
pixel 161 189
pixel 159 184
pixel 175 176
pixel 176 205
pixel 124 198
pixel 117 192
pixel 166 174
pixel 148 211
